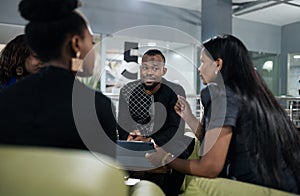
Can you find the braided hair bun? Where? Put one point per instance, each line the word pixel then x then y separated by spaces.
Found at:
pixel 46 10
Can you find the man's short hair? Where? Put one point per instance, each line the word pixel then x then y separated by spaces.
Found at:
pixel 153 52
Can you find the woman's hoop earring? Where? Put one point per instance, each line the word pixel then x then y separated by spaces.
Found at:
pixel 19 71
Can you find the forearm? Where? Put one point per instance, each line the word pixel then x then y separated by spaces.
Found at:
pixel 212 161
pixel 193 123
pixel 194 167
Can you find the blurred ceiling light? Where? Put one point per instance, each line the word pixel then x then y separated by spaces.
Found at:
pixel 176 55
pixel 151 44
pixel 296 56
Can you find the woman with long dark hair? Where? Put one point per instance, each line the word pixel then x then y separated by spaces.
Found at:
pixel 245 134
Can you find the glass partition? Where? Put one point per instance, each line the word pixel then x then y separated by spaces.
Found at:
pixel 293 77
pixel 267 66
pixel 180 62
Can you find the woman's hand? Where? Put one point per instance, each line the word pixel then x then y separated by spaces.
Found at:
pixel 160 157
pixel 182 108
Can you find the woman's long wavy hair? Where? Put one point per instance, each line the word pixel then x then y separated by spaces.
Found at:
pixel 276 136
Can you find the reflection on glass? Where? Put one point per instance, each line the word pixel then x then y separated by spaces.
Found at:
pixel 267 66
pixel 293 74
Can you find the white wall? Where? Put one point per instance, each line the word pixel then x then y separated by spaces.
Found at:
pixel 258 36
pixel 8 32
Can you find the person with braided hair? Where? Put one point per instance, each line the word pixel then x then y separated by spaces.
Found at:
pixel 17 60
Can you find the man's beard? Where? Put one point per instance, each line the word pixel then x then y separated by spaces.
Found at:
pixel 150 87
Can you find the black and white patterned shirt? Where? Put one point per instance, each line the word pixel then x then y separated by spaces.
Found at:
pixel 140 106
pixel 153 115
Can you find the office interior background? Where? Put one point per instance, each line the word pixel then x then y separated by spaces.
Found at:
pixel 269 28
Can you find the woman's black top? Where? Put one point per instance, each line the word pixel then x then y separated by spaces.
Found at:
pixel 52 108
pixel 225 108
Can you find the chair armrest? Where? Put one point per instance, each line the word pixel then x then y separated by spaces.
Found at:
pixel 146 188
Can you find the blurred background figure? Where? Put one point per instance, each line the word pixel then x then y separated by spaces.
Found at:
pixel 17 60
